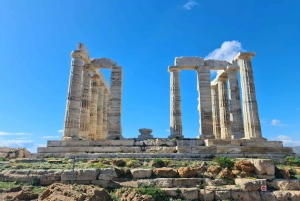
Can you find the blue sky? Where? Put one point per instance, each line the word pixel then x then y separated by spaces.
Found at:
pixel 144 37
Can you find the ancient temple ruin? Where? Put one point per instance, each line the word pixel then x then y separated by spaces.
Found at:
pixel 219 101
pixel 92 126
pixel 93 110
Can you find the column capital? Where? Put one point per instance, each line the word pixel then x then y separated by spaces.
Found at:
pixel 244 56
pixel 78 54
pixel 174 69
pixel 87 67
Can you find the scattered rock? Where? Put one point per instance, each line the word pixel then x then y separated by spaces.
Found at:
pixel 250 184
pixel 132 195
pixel 141 173
pixel 281 184
pixel 15 189
pixel 187 172
pixel 226 173
pixel 263 166
pixel 27 195
pixel 165 172
pixel 245 166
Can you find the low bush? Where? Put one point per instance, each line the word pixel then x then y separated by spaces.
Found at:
pixel 224 162
pixel 291 160
pixel 156 193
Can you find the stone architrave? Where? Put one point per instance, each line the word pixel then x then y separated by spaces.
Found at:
pixel 115 105
pixel 224 109
pixel 236 119
pixel 85 102
pixel 175 102
pixel 205 109
pixel 99 133
pixel 93 110
pixel 105 112
pixel 215 111
pixel 72 116
pixel 251 118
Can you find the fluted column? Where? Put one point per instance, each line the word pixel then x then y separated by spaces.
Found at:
pixel 215 111
pixel 105 113
pixel 99 134
pixel 115 104
pixel 251 118
pixel 224 112
pixel 93 110
pixel 205 107
pixel 175 104
pixel 72 116
pixel 236 119
pixel 85 102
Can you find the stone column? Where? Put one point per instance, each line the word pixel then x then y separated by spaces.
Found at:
pixel 105 113
pixel 93 110
pixel 251 118
pixel 215 111
pixel 205 112
pixel 236 119
pixel 175 104
pixel 72 116
pixel 224 112
pixel 99 135
pixel 85 102
pixel 115 104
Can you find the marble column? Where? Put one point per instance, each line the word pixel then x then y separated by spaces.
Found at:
pixel 251 118
pixel 72 116
pixel 224 110
pixel 105 113
pixel 85 102
pixel 175 104
pixel 236 119
pixel 93 110
pixel 215 111
pixel 99 135
pixel 205 109
pixel 115 104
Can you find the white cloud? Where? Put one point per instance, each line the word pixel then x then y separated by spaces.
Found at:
pixel 17 143
pixel 276 122
pixel 168 130
pixel 60 131
pixel 7 133
pixel 46 137
pixel 287 141
pixel 227 51
pixel 190 4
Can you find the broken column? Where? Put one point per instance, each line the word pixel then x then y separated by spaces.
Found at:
pixel 72 116
pixel 93 110
pixel 115 107
pixel 251 118
pixel 223 107
pixel 236 119
pixel 85 102
pixel 99 133
pixel 175 102
pixel 215 111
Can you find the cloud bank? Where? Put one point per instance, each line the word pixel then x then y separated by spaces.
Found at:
pixel 276 122
pixel 287 141
pixel 227 51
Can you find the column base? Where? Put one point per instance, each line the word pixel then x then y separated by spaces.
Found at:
pixel 114 137
pixel 177 136
pixel 254 138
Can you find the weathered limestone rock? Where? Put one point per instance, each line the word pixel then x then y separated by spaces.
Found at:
pixel 245 166
pixel 263 166
pixel 283 184
pixel 267 196
pixel 141 173
pixel 240 195
pixel 222 194
pixel 164 183
pixel 175 101
pixel 210 195
pixel 165 172
pixel 93 111
pixel 80 175
pixel 189 193
pixel 215 111
pixel 251 118
pixel 115 104
pixel 186 182
pixel 107 174
pixel 85 102
pixel 236 120
pixel 224 109
pixel 287 195
pixel 187 172
pixel 250 184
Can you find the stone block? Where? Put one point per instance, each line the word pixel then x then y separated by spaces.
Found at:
pixel 190 142
pixel 287 195
pixel 186 149
pixel 282 184
pixel 189 193
pixel 141 173
pixel 222 194
pixel 186 182
pixel 240 195
pixel 210 195
pixel 261 143
pixel 106 183
pixel 263 166
pixel 250 184
pixel 108 172
pixel 216 64
pixel 131 149
pixel 267 196
pixel 171 192
pixel 189 61
pixel 87 143
pixel 217 142
pixel 254 150
pixel 204 149
pixel 164 182
pixel 228 149
pixel 80 175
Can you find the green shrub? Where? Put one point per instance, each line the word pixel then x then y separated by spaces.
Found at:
pixel 156 193
pixel 224 162
pixel 291 160
pixel 159 161
pixel 2 159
